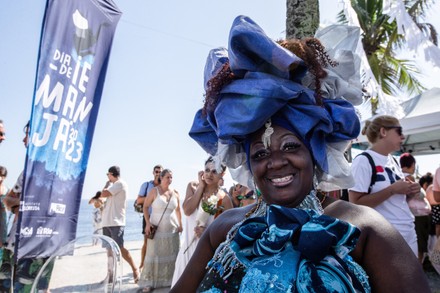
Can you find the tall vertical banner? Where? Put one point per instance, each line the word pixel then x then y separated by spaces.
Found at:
pixel 73 56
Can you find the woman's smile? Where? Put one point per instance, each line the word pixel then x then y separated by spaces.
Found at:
pixel 284 170
pixel 282 181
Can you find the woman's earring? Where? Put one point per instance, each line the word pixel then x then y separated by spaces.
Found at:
pixel 267 134
pixel 315 179
pixel 257 191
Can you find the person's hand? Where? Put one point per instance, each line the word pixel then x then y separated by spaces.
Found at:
pixel 414 189
pixel 200 177
pixel 405 187
pixel 180 229
pixel 147 229
pixel 198 230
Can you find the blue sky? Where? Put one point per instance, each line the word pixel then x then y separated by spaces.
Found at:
pixel 153 88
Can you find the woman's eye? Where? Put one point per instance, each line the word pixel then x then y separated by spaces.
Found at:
pixel 260 154
pixel 291 146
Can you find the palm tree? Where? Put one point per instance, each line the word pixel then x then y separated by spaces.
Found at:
pixel 302 18
pixel 381 43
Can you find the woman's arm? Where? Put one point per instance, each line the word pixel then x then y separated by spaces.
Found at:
pixel 227 202
pixel 195 269
pixel 370 199
pixel 386 251
pixel 194 193
pixel 214 235
pixel 178 212
pixel 374 199
pixel 147 203
pixel 383 253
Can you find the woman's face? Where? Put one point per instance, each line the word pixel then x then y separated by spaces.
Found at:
pixel 167 179
pixel 210 174
pixel 394 136
pixel 284 171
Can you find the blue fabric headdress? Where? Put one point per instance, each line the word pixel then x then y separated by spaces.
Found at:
pixel 267 88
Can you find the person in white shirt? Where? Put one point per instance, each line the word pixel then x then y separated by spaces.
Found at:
pixel 113 215
pixel 389 192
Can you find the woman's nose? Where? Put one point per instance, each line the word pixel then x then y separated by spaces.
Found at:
pixel 277 160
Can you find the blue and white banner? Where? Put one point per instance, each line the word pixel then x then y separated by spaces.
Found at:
pixel 74 52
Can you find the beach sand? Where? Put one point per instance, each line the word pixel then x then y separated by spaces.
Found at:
pixel 86 271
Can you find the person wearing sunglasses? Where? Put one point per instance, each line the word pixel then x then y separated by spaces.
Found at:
pixel 241 195
pixel 267 118
pixel 146 187
pixel 197 193
pixel 389 192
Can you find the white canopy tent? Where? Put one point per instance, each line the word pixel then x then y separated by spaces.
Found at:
pixel 421 125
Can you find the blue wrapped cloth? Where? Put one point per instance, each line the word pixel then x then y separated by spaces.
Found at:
pixel 267 88
pixel 288 250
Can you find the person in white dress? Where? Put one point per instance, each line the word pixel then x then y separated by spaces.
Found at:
pixel 208 184
pixel 162 250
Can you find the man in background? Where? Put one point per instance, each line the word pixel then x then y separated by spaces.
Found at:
pixel 113 215
pixel 144 190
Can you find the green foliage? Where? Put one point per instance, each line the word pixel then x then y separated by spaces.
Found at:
pixel 381 43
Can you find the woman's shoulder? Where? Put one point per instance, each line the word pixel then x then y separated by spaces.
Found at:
pixel 225 221
pixel 363 217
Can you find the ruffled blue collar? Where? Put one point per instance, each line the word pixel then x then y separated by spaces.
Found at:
pixel 292 250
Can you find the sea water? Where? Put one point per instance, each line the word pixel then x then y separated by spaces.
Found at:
pixel 133 226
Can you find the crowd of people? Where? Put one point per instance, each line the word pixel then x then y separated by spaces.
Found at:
pixel 166 251
pixel 239 235
pixel 277 228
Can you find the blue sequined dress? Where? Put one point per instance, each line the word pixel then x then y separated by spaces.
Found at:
pixel 287 250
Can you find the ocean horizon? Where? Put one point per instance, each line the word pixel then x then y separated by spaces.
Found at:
pixel 133 226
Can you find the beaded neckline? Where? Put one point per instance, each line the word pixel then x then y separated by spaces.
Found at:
pixel 310 202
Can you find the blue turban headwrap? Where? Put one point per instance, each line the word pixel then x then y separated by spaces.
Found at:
pixel 267 88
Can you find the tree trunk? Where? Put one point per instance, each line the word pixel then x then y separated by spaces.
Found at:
pixel 302 18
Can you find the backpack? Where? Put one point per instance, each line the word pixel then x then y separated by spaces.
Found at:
pixel 139 208
pixel 373 169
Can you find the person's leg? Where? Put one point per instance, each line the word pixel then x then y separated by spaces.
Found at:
pixel 144 246
pixel 107 231
pixel 143 252
pixel 127 256
pixel 118 236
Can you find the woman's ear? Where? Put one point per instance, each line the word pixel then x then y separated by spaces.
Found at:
pixel 382 132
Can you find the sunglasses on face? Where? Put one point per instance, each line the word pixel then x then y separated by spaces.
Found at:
pixel 157 172
pixel 249 195
pixel 398 129
pixel 2 133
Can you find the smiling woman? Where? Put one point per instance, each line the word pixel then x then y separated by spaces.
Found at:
pixel 261 120
pixel 295 168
